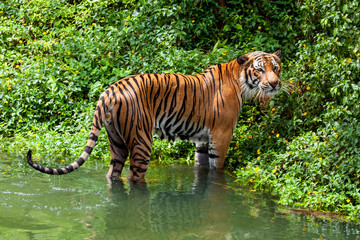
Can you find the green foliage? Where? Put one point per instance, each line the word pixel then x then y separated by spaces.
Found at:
pixel 58 56
pixel 169 152
pixel 309 147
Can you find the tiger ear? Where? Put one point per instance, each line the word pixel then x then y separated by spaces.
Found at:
pixel 242 59
pixel 278 53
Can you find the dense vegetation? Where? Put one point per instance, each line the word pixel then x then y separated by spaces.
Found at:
pixel 58 56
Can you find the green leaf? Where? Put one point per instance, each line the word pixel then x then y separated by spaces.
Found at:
pixel 345 100
pixel 121 72
pixel 238 26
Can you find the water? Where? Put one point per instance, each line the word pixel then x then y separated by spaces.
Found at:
pixel 178 202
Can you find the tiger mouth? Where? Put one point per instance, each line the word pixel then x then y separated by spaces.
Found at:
pixel 270 92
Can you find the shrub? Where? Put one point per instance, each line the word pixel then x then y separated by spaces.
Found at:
pixel 308 141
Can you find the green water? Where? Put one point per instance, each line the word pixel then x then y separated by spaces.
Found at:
pixel 178 202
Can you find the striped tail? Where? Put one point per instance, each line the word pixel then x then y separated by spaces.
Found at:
pixel 95 130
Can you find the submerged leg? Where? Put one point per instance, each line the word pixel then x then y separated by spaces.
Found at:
pixel 119 153
pixel 139 161
pixel 202 154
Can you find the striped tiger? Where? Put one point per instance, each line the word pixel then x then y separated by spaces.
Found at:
pixel 202 108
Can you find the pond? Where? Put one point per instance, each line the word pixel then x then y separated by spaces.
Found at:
pixel 178 202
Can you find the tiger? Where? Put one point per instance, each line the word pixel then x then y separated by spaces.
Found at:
pixel 201 108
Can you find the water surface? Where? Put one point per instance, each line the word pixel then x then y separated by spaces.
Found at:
pixel 178 202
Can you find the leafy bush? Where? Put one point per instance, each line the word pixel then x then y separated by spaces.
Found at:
pixel 309 148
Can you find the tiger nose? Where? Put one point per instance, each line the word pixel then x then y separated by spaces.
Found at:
pixel 275 84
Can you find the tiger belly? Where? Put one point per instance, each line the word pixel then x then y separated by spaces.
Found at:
pixel 170 134
pixel 201 139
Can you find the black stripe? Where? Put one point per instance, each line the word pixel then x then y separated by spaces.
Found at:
pixel 182 109
pixel 206 91
pixel 88 149
pixel 198 127
pixel 141 170
pixel 158 110
pixel 141 161
pixel 217 104
pixel 220 81
pixel 113 94
pixel 116 161
pixel 189 128
pixel 102 99
pixel 212 155
pixel 136 93
pixel 148 127
pixel 69 168
pixel 93 137
pixel 177 130
pixel 195 129
pixel 157 92
pixel 80 161
pixel 137 157
pixel 203 150
pixel 99 114
pixel 166 98
pixel 96 120
pixel 212 79
pixel 173 102
pixel 246 77
pixel 168 121
pixel 127 110
pixel 213 124
pixel 148 85
pixel 204 119
pixel 192 82
pixel 250 83
pixel 132 170
pixel 96 127
pixel 117 122
pixel 162 118
pixel 141 140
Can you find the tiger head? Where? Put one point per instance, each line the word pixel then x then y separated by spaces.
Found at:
pixel 260 73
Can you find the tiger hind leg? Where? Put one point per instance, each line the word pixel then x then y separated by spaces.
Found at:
pixel 118 151
pixel 139 161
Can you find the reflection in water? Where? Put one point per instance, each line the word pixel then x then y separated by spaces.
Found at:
pixel 200 212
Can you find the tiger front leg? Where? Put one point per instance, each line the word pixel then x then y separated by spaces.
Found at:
pixel 202 154
pixel 218 147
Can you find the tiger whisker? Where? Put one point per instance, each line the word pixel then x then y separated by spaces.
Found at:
pixel 287 88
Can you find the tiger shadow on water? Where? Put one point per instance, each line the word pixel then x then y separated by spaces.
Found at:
pixel 201 211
